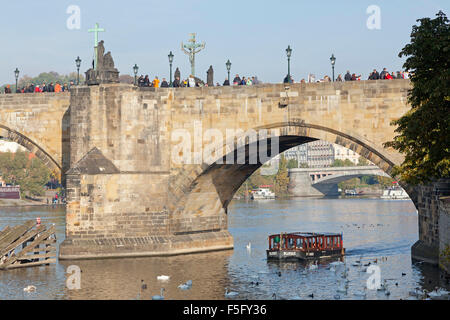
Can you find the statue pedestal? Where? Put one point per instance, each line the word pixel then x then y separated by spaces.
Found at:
pixel 96 77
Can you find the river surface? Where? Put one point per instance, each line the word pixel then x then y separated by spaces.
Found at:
pixel 372 229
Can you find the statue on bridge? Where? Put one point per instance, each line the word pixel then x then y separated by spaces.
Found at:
pixel 210 77
pixel 191 49
pixel 103 70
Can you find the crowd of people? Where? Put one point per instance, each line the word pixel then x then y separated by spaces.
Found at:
pixel 374 75
pixel 32 88
pixel 191 81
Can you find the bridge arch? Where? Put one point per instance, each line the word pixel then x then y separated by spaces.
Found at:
pixel 9 134
pixel 206 190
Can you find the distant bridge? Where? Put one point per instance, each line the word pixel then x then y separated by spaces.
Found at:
pixel 310 182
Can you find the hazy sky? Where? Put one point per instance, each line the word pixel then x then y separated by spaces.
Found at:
pixel 252 34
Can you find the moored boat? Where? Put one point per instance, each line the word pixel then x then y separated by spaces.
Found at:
pixel 263 192
pixel 395 193
pixel 9 192
pixel 305 246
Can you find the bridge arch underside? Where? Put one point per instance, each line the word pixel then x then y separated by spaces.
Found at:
pixel 203 200
pixel 335 179
pixel 328 186
pixel 14 136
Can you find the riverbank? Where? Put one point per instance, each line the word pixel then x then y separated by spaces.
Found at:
pixel 23 203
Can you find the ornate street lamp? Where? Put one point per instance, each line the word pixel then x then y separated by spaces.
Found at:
pixel 135 70
pixel 333 61
pixel 170 62
pixel 78 62
pixel 228 64
pixel 16 73
pixel 288 53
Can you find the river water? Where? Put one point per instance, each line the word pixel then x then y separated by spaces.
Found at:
pixel 372 229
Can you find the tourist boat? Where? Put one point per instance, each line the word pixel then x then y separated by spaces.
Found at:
pixel 305 246
pixel 263 192
pixel 395 193
pixel 9 192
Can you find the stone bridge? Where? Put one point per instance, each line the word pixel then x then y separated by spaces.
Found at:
pixel 318 182
pixel 142 181
pixel 152 170
pixel 40 123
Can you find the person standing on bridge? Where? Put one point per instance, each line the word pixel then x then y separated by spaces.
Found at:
pixel 8 89
pixel 176 82
pixel 236 80
pixel 156 82
pixel 383 74
pixel 191 81
pixel 164 83
pixel 348 76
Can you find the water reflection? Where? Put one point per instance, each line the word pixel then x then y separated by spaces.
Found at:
pixel 121 278
pixel 373 230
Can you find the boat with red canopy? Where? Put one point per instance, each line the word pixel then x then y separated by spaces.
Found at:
pixel 305 246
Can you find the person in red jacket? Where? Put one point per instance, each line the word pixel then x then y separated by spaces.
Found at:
pixel 36 89
pixel 388 76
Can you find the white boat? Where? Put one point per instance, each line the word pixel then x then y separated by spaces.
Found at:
pixel 262 193
pixel 395 193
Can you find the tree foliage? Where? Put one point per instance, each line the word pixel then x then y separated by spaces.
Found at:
pixel 47 77
pixel 24 169
pixel 281 182
pixel 342 163
pixel 292 163
pixel 423 132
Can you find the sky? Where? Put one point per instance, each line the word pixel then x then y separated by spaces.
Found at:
pixel 253 35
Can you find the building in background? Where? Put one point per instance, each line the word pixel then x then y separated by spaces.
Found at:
pixel 319 153
pixel 9 146
pixel 342 153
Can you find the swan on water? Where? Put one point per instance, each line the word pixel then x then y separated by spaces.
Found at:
pixel 159 297
pixel 29 288
pixel 249 246
pixel 229 294
pixel 185 286
pixel 313 266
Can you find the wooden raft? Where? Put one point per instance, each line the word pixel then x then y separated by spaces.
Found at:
pixel 27 245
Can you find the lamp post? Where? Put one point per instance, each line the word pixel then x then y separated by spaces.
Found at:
pixel 333 61
pixel 228 64
pixel 78 62
pixel 170 62
pixel 16 73
pixel 135 70
pixel 288 53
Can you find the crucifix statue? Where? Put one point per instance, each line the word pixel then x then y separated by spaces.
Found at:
pixel 96 30
pixel 191 49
